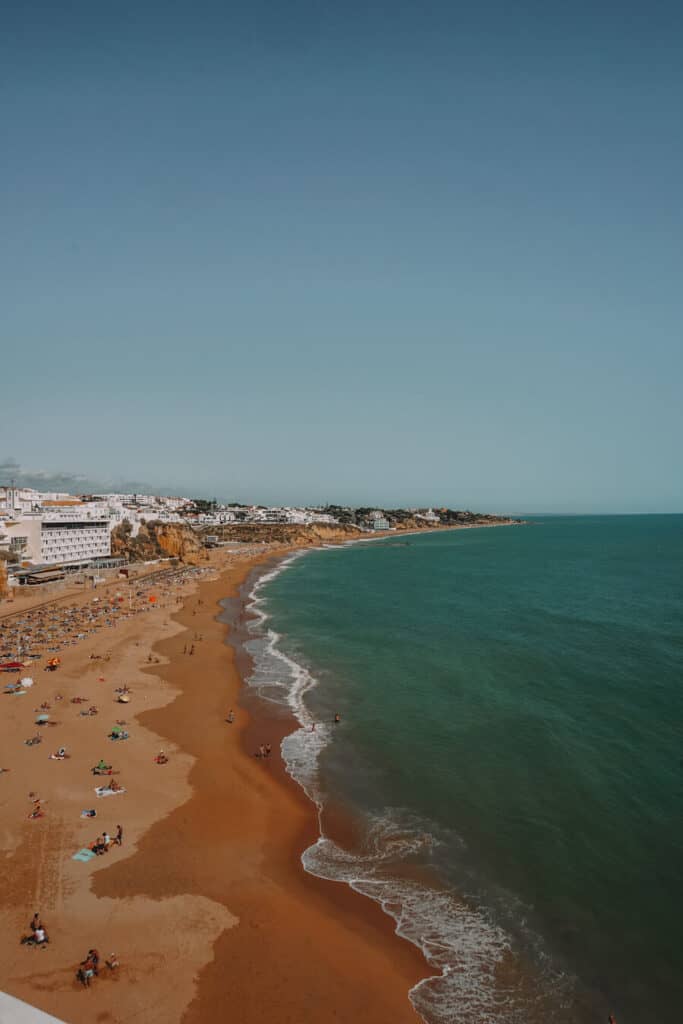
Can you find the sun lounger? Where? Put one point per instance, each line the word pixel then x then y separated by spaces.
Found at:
pixel 106 791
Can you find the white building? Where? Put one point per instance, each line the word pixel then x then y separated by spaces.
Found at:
pixel 74 540
pixel 429 516
pixel 378 521
pixel 20 537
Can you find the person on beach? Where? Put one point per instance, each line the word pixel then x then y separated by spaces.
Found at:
pixel 231 717
pixel 337 718
pixel 88 968
pixel 99 846
pixel 118 838
pixel 35 922
pixel 38 937
pixel 268 750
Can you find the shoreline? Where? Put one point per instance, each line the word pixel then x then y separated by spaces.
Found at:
pixel 401 892
pixel 207 900
pixel 337 917
pixel 212 886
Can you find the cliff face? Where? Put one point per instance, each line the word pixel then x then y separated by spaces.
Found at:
pixel 157 540
pixel 284 533
pixel 320 533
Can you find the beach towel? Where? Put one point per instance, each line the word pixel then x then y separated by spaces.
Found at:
pixel 83 855
pixel 88 812
pixel 105 791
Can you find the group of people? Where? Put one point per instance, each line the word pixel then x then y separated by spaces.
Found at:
pixel 103 842
pixel 90 967
pixel 265 750
pixel 87 969
pixel 53 628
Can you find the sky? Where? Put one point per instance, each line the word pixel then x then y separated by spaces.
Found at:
pixel 366 253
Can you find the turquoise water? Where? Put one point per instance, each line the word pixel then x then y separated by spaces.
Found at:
pixel 512 707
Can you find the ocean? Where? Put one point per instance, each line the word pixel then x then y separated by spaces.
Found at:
pixel 510 749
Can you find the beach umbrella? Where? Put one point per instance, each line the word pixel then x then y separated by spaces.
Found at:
pixel 116 729
pixel 152 599
pixel 26 682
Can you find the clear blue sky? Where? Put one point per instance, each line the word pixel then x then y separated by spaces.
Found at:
pixel 376 253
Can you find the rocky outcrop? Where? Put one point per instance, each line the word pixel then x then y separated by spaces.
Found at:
pixel 284 533
pixel 157 540
pixel 321 533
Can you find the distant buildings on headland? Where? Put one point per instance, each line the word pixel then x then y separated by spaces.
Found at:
pixel 50 529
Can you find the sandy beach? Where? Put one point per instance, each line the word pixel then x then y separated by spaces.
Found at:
pixel 205 902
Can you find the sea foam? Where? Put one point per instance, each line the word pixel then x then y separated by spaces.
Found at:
pixel 469 952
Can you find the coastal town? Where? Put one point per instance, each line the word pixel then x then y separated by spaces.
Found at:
pixel 125 726
pixel 123 730
pixel 47 536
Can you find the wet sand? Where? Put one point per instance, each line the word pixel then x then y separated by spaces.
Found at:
pixel 206 902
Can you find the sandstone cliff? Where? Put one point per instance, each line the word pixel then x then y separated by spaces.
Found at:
pixel 284 533
pixel 321 533
pixel 157 540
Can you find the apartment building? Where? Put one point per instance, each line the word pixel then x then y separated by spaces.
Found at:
pixel 74 540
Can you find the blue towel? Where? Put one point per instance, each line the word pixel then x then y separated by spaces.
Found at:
pixel 83 855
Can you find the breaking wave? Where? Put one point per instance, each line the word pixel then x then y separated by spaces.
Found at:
pixel 476 979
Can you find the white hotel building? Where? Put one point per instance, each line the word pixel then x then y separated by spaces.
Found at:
pixel 74 540
pixel 53 539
